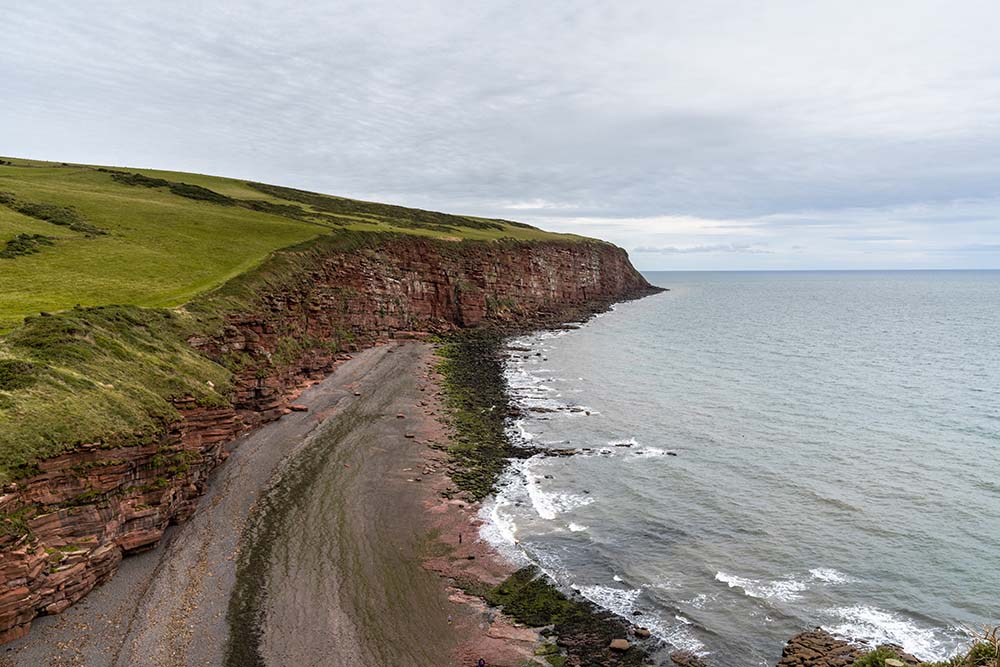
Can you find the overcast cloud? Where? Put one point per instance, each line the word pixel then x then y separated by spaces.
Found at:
pixel 696 134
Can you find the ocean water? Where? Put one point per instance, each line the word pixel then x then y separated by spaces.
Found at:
pixel 769 452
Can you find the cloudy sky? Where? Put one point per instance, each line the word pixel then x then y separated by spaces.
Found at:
pixel 701 134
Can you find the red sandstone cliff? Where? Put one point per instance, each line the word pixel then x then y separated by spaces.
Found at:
pixel 90 507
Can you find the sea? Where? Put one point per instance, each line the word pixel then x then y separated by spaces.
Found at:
pixel 763 453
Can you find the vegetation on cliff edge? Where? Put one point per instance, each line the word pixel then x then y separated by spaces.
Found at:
pixel 95 260
pixel 984 652
pixel 157 239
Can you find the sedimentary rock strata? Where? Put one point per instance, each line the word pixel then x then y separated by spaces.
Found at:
pixel 88 508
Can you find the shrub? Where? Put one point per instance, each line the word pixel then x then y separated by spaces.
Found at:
pixel 57 215
pixel 876 658
pixel 983 654
pixel 374 212
pixel 16 374
pixel 139 180
pixel 179 189
pixel 25 244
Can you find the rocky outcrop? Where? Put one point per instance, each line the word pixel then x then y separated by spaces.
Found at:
pixel 818 648
pixel 408 286
pixel 89 508
pixel 75 520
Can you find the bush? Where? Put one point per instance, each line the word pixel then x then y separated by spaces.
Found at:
pixel 179 189
pixel 374 212
pixel 25 244
pixel 57 215
pixel 983 654
pixel 15 374
pixel 876 658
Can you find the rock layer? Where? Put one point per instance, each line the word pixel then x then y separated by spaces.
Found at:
pixel 818 648
pixel 88 508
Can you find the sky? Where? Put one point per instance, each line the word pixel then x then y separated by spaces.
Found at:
pixel 702 134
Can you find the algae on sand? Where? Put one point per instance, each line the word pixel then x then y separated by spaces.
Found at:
pixel 476 400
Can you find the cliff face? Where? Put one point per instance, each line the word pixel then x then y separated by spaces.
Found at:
pixel 89 508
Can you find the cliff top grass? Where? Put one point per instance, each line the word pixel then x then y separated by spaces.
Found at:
pixel 86 235
pixel 96 262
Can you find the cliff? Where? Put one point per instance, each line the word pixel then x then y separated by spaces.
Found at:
pixel 70 518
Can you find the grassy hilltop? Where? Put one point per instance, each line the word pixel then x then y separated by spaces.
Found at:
pixel 94 262
pixel 79 234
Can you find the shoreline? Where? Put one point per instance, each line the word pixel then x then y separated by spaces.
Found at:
pixel 408 600
pixel 577 631
pixel 170 605
pixel 179 615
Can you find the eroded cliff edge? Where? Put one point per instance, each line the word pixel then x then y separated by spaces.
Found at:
pixel 69 518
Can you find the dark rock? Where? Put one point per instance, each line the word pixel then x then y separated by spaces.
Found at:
pixel 818 648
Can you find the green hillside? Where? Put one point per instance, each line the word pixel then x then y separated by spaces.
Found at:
pixel 94 262
pixel 79 234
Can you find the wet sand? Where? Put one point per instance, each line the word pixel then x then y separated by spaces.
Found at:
pixel 321 541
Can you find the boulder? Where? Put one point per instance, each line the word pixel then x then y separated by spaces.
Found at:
pixel 687 659
pixel 619 645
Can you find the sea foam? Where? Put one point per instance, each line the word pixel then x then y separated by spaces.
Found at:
pixel 878 626
pixel 782 589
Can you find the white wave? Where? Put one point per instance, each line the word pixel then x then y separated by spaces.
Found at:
pixel 619 600
pixel 622 601
pixel 782 589
pixel 499 528
pixel 699 600
pixel 828 575
pixel 522 432
pixel 576 528
pixel 650 452
pixel 617 578
pixel 878 626
pixel 549 504
pixel 587 452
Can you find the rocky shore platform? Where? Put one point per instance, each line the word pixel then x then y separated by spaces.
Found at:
pixel 819 648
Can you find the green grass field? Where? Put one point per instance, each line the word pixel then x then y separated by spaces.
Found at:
pixel 94 262
pixel 160 248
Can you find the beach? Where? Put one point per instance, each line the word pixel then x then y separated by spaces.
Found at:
pixel 324 539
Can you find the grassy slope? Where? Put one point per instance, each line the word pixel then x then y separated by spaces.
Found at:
pixel 105 372
pixel 161 249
